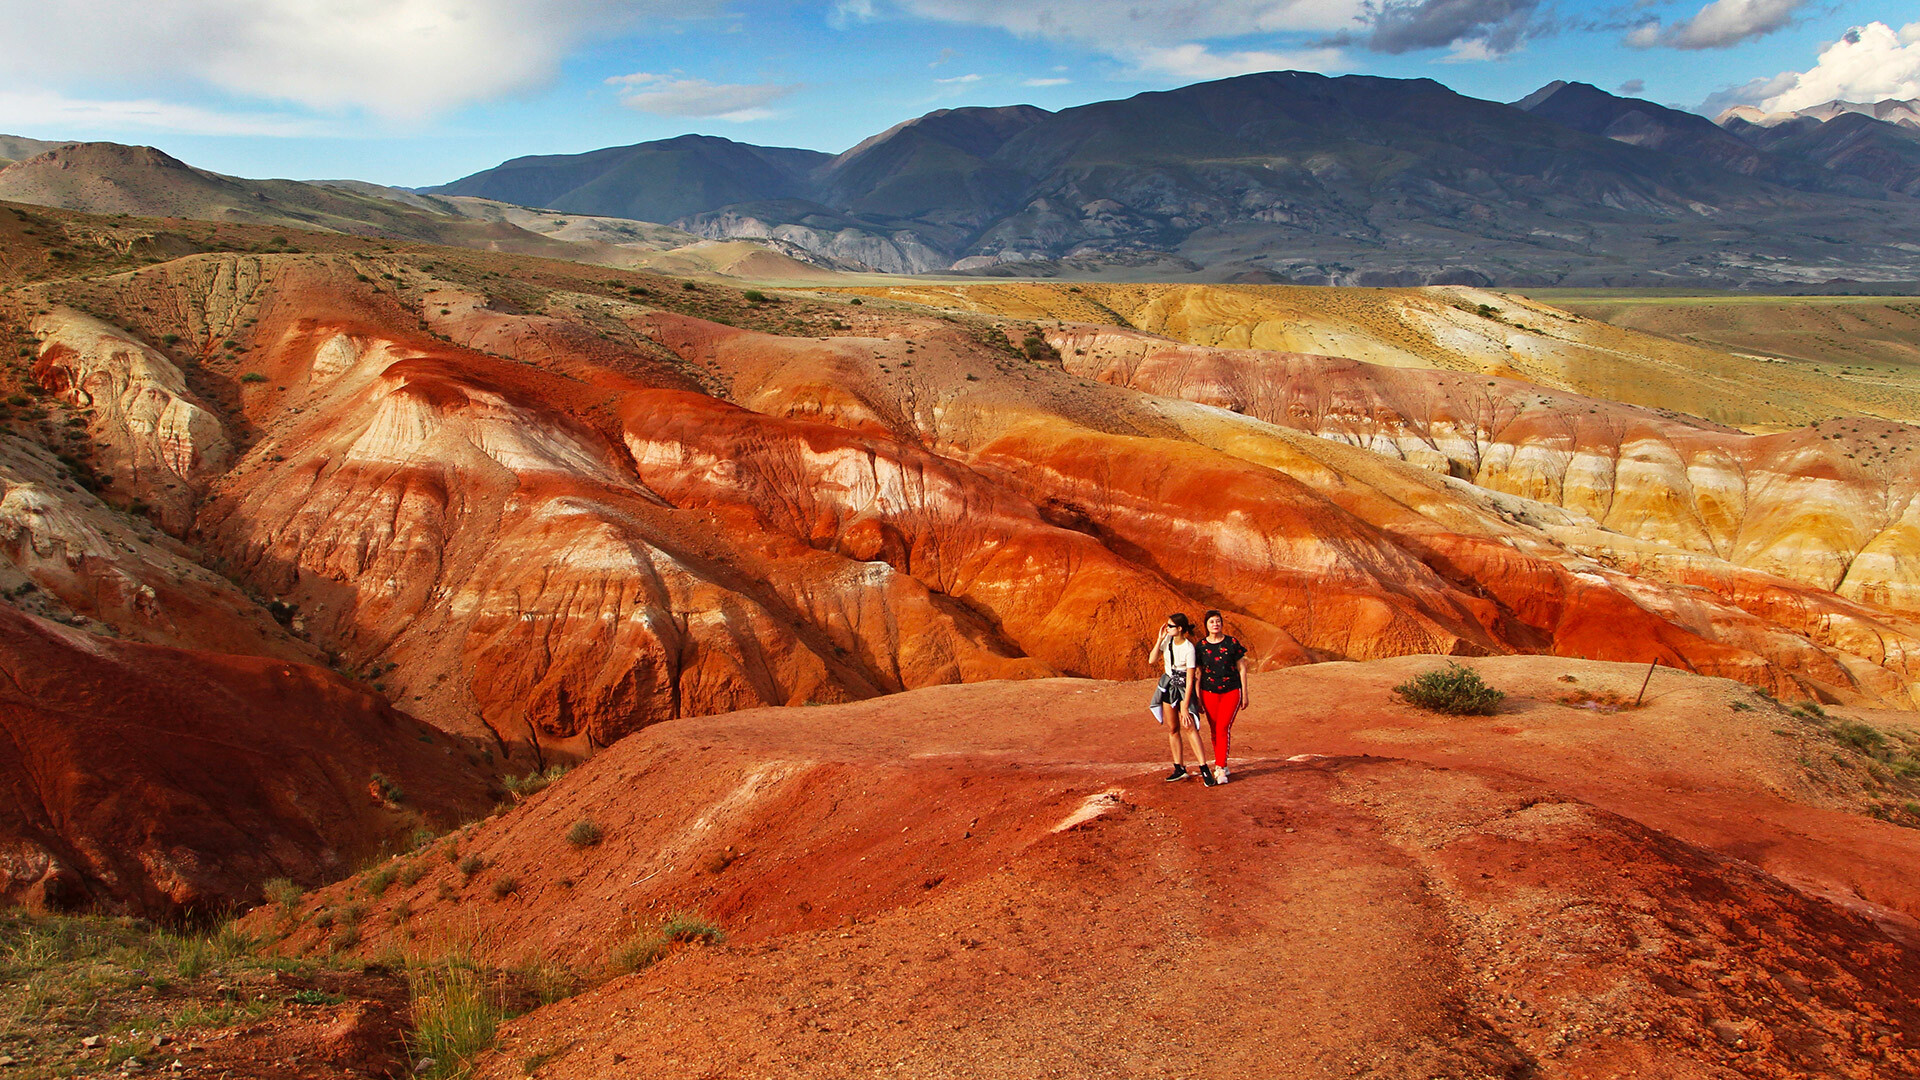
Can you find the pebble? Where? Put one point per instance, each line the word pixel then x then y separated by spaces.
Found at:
pixel 424 1064
pixel 92 1042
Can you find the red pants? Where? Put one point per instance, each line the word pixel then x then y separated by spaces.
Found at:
pixel 1220 709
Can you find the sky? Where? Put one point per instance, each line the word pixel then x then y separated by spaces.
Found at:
pixel 418 92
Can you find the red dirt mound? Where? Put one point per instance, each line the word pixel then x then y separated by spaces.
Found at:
pixel 168 783
pixel 992 880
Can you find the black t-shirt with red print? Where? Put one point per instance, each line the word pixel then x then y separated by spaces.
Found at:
pixel 1219 663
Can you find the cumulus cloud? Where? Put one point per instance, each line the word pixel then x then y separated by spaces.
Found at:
pixel 395 58
pixel 1868 63
pixel 1474 29
pixel 1721 24
pixel 668 95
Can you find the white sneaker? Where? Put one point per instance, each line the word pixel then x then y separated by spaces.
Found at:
pixel 1219 774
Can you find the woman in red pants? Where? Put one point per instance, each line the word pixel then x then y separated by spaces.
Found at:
pixel 1223 688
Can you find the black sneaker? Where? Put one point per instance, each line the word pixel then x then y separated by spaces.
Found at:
pixel 1206 776
pixel 1179 773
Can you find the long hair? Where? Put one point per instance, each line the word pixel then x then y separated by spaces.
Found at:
pixel 1185 625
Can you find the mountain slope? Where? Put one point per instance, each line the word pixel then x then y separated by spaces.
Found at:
pixel 1852 143
pixel 1284 175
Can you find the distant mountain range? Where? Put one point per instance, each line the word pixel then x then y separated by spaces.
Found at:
pixel 1290 176
pixel 1279 177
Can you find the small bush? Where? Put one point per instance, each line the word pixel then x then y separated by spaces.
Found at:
pixel 380 880
pixel 585 833
pixel 1456 690
pixel 639 952
pixel 1860 736
pixel 523 786
pixel 389 790
pixel 253 377
pixel 411 873
pixel 471 865
pixel 504 887
pixel 689 286
pixel 316 997
pixel 687 927
pixel 283 892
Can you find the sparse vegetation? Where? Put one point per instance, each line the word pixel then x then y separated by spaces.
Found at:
pixel 381 878
pixel 253 377
pixel 1456 690
pixel 506 886
pixel 471 865
pixel 389 790
pixel 523 786
pixel 455 1015
pixel 585 833
pixel 282 892
pixel 649 946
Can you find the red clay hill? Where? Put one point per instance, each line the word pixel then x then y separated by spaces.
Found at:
pixel 170 783
pixel 993 880
pixel 554 506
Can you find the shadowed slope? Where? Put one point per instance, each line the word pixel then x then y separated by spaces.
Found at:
pixel 169 783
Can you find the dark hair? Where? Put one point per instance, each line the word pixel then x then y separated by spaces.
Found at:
pixel 1179 619
pixel 1212 615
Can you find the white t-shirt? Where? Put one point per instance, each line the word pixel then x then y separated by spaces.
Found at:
pixel 1179 656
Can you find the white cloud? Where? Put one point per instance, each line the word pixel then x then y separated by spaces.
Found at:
pixel 666 95
pixel 1140 22
pixel 1046 82
pixel 968 78
pixel 1869 63
pixel 1196 61
pixel 401 59
pixel 1721 24
pixel 50 111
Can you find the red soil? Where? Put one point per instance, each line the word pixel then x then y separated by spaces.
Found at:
pixel 164 782
pixel 992 880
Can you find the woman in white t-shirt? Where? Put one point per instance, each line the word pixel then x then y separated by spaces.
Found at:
pixel 1174 650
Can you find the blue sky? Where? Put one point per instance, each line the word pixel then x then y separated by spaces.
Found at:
pixel 414 92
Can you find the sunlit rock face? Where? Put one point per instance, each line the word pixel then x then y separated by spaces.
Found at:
pixel 561 525
pixel 1831 506
pixel 151 433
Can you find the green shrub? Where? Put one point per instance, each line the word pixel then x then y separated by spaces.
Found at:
pixel 523 786
pixel 1456 690
pixel 389 790
pixel 755 296
pixel 316 997
pixel 471 865
pixel 682 926
pixel 411 873
pixel 1861 737
pixel 283 892
pixel 381 879
pixel 585 833
pixel 253 377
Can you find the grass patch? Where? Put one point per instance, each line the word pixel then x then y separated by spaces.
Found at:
pixel 585 833
pixel 283 892
pixel 64 978
pixel 1456 690
pixel 471 865
pixel 504 887
pixel 651 945
pixel 455 1015
pixel 381 879
pixel 523 786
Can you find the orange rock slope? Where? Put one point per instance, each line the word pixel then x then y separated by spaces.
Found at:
pixel 955 882
pixel 559 510
pixel 169 783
